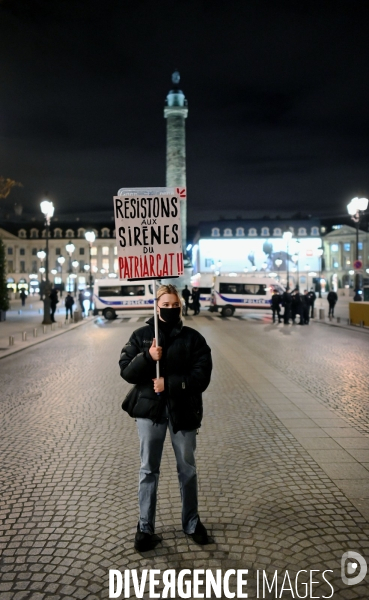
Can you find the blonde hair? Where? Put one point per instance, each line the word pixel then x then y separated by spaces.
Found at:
pixel 169 289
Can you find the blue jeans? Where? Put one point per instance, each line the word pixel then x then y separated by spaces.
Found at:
pixel 151 448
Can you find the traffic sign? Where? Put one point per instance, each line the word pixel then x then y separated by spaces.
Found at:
pixel 358 264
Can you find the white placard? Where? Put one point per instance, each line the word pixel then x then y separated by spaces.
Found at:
pixel 148 232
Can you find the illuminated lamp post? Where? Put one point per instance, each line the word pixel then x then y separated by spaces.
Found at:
pixel 287 235
pixel 90 237
pixel 320 255
pixel 356 208
pixel 47 209
pixel 70 248
pixel 41 254
pixel 61 261
pixel 75 264
pixel 278 262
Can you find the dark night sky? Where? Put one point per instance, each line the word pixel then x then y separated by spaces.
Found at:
pixel 278 95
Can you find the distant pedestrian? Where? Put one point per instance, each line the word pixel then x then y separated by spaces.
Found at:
pixel 23 296
pixel 286 303
pixel 69 301
pixel 332 300
pixel 53 302
pixel 81 298
pixel 312 298
pixel 276 305
pixel 296 307
pixel 186 295
pixel 305 308
pixel 196 300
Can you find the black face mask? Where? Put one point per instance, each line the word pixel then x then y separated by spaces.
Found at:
pixel 170 315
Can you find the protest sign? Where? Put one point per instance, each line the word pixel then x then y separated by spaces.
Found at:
pixel 148 232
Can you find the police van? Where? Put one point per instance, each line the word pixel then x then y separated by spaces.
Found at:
pixel 242 293
pixel 118 295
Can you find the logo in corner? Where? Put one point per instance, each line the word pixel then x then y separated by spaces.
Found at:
pixel 181 192
pixel 350 562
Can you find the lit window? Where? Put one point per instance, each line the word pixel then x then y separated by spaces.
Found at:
pixel 115 250
pixel 265 231
pixel 105 251
pixel 227 232
pixel 346 246
pixel 215 232
pixel 315 231
pixel 253 232
pixel 360 245
pixel 115 265
pixel 240 231
pixel 93 251
pixel 334 247
pixel 277 231
pixel 301 231
pixel 105 264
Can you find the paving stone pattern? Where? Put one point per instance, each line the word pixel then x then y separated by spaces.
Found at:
pixel 70 471
pixel 331 363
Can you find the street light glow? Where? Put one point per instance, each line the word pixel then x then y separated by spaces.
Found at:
pixel 47 208
pixel 70 247
pixel 90 236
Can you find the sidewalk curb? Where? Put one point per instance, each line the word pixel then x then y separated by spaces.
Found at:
pixel 13 350
pixel 356 328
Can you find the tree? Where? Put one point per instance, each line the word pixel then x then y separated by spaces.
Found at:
pixel 4 300
pixel 6 186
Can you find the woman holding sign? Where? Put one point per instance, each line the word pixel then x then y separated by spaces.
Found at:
pixel 173 401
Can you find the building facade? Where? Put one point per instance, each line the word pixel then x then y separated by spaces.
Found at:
pixel 24 241
pixel 258 246
pixel 340 255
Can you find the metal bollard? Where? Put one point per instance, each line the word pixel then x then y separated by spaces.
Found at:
pixel 35 332
pixel 11 340
pixel 44 328
pixel 52 326
pixel 60 324
pixel 338 319
pixel 24 336
pixel 361 323
pixel 321 313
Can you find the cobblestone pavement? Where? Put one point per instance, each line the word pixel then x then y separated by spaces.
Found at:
pixel 70 465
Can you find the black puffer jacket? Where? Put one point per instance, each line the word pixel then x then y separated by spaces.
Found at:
pixel 187 374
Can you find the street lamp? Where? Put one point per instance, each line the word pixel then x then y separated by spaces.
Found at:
pixel 75 265
pixel 287 235
pixel 47 209
pixel 61 261
pixel 320 254
pixel 70 248
pixel 356 208
pixel 90 238
pixel 278 262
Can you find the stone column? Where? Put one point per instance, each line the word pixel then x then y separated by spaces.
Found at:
pixel 176 112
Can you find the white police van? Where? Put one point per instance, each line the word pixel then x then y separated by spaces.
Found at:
pixel 243 293
pixel 118 295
